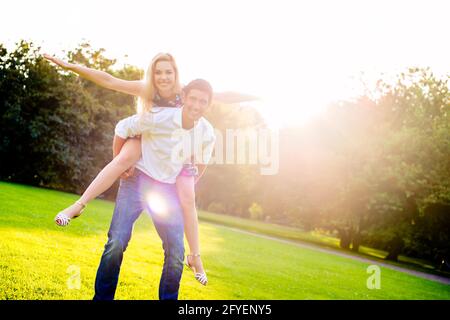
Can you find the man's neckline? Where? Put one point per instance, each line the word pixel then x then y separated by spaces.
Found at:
pixel 178 119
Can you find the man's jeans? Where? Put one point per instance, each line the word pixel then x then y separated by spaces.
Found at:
pixel 138 193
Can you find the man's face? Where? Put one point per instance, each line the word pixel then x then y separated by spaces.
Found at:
pixel 196 102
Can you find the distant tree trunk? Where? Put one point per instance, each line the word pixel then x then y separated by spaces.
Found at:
pixel 356 241
pixel 395 248
pixel 444 265
pixel 345 238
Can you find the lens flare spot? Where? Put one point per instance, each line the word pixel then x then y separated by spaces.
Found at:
pixel 157 204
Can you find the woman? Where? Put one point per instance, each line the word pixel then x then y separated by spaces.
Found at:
pixel 160 87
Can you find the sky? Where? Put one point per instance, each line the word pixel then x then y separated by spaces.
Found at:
pixel 295 55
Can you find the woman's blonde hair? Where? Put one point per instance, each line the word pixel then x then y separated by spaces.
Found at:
pixel 146 102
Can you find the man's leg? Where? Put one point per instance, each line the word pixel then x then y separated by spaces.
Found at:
pixel 127 210
pixel 165 209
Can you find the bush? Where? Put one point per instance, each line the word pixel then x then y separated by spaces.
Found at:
pixel 256 211
pixel 216 207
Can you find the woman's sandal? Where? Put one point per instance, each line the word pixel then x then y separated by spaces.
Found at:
pixel 200 277
pixel 63 220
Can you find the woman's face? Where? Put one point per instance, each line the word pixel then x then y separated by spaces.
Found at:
pixel 164 77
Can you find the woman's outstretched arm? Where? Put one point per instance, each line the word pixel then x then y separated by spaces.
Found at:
pixel 103 79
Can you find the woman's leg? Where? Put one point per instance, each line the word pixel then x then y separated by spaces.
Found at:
pixel 128 156
pixel 186 194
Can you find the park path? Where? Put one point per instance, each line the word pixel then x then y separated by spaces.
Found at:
pixel 420 274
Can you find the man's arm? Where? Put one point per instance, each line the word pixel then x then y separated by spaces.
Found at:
pixel 134 125
pixel 201 171
pixel 118 143
pixel 207 151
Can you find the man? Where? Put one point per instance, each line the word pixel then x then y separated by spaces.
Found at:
pixel 152 186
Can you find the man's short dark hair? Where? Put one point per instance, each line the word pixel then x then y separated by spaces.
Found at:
pixel 199 84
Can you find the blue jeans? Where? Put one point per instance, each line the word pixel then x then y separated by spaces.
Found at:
pixel 137 193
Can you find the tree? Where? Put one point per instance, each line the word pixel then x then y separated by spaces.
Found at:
pixel 56 132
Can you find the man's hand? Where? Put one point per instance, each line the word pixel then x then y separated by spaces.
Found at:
pixel 128 173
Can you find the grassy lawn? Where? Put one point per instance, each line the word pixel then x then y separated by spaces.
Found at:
pixel 36 256
pixel 314 237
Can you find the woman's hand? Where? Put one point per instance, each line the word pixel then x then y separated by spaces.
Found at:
pixel 63 64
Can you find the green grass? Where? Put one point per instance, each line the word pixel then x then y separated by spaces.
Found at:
pixel 315 237
pixel 35 255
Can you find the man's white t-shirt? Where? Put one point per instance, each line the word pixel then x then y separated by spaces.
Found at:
pixel 165 145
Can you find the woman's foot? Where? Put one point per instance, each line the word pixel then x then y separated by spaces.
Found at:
pixel 194 262
pixel 63 218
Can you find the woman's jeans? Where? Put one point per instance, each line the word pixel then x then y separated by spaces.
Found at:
pixel 138 193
